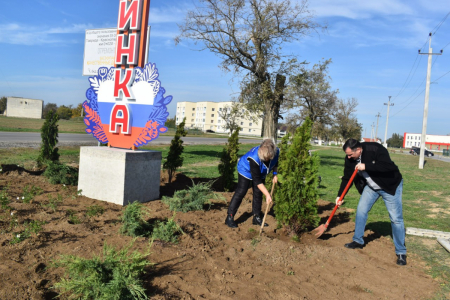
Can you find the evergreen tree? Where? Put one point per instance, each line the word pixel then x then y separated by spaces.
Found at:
pixel 49 136
pixel 174 160
pixel 296 198
pixel 229 160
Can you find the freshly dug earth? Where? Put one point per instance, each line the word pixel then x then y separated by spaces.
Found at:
pixel 211 261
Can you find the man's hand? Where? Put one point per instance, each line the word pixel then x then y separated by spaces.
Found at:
pixel 275 179
pixel 339 203
pixel 268 199
pixel 360 167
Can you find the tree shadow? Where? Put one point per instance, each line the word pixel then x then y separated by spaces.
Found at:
pixel 328 160
pixel 383 228
pixel 209 153
pixel 328 206
pixel 11 167
pixel 244 217
pixel 159 270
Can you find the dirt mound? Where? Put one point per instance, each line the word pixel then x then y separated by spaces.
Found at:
pixel 211 261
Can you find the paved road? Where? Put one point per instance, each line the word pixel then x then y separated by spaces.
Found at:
pixel 33 139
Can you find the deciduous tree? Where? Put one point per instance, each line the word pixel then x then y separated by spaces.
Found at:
pixel 346 124
pixel 396 141
pixel 248 36
pixel 49 107
pixel 3 102
pixel 310 96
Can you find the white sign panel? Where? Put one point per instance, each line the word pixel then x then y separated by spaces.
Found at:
pixel 99 50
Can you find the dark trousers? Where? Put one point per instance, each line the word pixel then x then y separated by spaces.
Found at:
pixel 241 190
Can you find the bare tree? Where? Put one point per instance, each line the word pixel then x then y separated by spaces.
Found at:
pixel 310 95
pixel 346 123
pixel 233 114
pixel 248 35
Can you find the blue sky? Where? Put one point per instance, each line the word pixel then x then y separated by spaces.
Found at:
pixel 373 44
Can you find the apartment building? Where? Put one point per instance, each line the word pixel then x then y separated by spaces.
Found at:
pixel 205 116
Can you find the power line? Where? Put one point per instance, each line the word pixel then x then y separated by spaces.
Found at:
pixel 440 77
pixel 440 23
pixel 425 78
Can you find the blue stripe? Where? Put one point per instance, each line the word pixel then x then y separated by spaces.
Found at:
pixel 139 113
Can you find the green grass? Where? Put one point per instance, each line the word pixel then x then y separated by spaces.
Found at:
pixel 75 125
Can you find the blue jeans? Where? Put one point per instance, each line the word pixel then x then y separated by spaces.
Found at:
pixel 394 206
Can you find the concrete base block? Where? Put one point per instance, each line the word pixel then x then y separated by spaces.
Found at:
pixel 119 176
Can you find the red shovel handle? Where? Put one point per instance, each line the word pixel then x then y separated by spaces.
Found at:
pixel 341 197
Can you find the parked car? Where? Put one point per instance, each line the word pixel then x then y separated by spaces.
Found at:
pixel 210 131
pixel 416 151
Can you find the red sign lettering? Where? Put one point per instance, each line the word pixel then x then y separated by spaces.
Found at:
pixel 122 83
pixel 127 49
pixel 120 116
pixel 129 15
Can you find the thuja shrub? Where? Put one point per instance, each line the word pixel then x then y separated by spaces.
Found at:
pixel 296 198
pixel 193 198
pixel 133 222
pixel 167 231
pixel 174 160
pixel 59 173
pixel 228 161
pixel 115 275
pixel 49 136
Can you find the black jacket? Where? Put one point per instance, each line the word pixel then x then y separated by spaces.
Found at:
pixel 379 166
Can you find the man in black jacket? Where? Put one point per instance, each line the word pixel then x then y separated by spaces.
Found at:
pixel 377 176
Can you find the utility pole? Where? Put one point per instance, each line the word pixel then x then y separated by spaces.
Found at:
pixel 376 132
pixel 425 107
pixel 387 120
pixel 371 132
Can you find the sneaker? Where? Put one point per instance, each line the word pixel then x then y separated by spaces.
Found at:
pixel 354 245
pixel 401 259
pixel 230 221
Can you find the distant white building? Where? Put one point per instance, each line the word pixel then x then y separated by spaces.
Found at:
pixel 205 116
pixel 24 108
pixel 432 142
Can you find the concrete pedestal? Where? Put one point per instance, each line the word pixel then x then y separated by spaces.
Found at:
pixel 119 176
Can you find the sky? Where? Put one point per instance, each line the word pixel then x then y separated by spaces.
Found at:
pixel 373 46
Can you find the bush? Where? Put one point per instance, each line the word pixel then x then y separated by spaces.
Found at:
pixel 49 136
pixel 4 200
pixel 174 160
pixel 296 198
pixel 30 227
pixel 59 173
pixel 167 231
pixel 53 202
pixel 193 198
pixel 30 192
pixel 94 210
pixel 114 276
pixel 133 220
pixel 229 160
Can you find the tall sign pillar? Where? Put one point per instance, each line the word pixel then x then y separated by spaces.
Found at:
pixel 125 109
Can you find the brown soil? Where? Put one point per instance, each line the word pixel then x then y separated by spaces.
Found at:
pixel 211 261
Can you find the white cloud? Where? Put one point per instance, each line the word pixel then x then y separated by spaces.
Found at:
pixel 357 9
pixel 31 35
